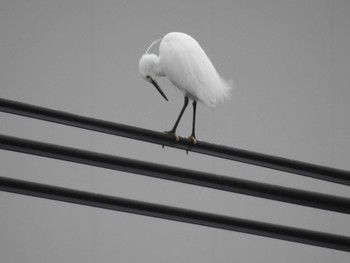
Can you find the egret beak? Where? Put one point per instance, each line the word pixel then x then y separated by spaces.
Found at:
pixel 154 82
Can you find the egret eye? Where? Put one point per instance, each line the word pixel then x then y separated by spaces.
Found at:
pixel 148 77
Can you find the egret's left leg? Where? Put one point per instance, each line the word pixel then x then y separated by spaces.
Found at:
pixel 173 130
pixel 193 135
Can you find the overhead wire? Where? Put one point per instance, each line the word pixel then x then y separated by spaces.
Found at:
pixel 310 237
pixel 219 182
pixel 315 171
pixel 204 179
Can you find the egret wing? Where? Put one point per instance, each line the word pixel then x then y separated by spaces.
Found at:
pixel 188 67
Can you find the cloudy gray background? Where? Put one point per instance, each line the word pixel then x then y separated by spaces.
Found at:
pixel 290 62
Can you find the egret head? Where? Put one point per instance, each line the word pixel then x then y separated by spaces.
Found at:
pixel 148 68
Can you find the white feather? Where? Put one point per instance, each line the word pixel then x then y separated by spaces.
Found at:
pixel 188 67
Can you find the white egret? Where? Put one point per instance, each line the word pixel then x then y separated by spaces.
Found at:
pixel 182 60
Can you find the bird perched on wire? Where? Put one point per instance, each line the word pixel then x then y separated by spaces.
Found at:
pixel 182 60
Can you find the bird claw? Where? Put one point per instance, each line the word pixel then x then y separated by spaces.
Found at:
pixel 193 139
pixel 174 135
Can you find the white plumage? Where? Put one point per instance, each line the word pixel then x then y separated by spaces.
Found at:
pixel 188 67
pixel 182 60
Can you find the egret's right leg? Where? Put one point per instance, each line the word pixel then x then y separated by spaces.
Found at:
pixel 193 135
pixel 173 130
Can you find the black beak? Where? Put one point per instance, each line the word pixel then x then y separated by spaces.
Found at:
pixel 154 82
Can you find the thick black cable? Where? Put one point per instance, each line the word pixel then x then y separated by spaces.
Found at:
pixel 273 162
pixel 304 236
pixel 225 183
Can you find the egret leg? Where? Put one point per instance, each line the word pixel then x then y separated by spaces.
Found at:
pixel 193 135
pixel 173 130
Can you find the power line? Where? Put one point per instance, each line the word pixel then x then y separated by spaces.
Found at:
pixel 273 162
pixel 225 183
pixel 176 214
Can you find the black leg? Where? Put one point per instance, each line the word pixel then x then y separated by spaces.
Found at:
pixel 193 135
pixel 194 118
pixel 179 118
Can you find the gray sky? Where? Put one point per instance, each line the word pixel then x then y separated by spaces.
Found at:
pixel 290 64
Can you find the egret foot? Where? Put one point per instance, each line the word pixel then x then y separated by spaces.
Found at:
pixel 174 135
pixel 193 139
